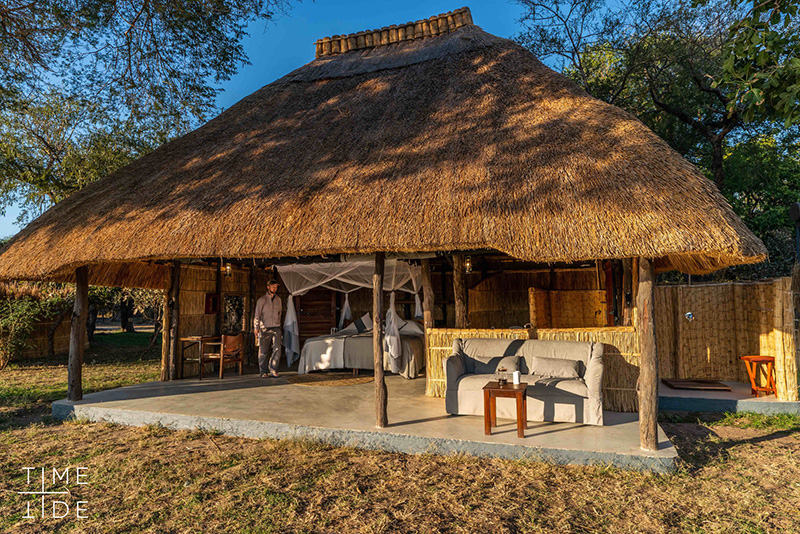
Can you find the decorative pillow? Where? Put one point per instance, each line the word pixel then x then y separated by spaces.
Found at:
pixel 510 363
pixel 363 323
pixel 488 366
pixel 554 367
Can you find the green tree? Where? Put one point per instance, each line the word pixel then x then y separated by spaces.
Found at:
pixel 664 61
pixel 762 63
pixel 90 85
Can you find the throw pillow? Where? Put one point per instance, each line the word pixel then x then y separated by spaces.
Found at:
pixel 363 323
pixel 554 367
pixel 509 363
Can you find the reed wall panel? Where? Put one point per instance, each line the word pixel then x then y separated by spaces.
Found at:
pixel 729 320
pixel 37 342
pixel 440 346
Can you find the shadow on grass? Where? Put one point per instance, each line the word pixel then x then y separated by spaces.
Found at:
pixel 699 445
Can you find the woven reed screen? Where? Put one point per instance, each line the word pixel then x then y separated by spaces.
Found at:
pixel 196 281
pixel 440 346
pixel 728 321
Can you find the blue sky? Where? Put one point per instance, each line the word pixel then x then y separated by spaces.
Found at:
pixel 282 45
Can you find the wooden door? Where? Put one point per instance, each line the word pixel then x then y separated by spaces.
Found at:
pixel 316 313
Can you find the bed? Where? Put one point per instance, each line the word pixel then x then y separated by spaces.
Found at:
pixel 349 349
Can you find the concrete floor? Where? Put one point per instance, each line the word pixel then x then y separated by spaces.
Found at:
pixel 738 399
pixel 249 406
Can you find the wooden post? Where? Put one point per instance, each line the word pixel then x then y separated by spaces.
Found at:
pixel 647 385
pixel 627 292
pixel 427 295
pixel 175 320
pixel 251 304
pixel 165 327
pixel 220 311
pixel 381 394
pixel 460 290
pixel 77 335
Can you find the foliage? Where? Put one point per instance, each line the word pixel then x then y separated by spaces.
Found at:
pixel 762 64
pixel 142 58
pixel 668 63
pixel 22 305
pixel 17 320
pixel 91 85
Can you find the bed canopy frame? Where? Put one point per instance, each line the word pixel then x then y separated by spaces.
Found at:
pixel 346 277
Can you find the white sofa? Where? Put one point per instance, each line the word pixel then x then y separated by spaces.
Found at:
pixel 565 378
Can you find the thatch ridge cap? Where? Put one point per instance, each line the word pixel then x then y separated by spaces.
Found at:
pixel 432 26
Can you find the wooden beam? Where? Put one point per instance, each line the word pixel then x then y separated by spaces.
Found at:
pixel 165 326
pixel 220 311
pixel 175 320
pixel 460 290
pixel 627 292
pixel 381 394
pixel 77 335
pixel 427 295
pixel 251 305
pixel 647 385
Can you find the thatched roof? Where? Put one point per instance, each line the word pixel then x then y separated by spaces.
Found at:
pixel 457 141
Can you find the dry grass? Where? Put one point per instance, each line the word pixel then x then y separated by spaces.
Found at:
pixel 739 474
pixel 155 480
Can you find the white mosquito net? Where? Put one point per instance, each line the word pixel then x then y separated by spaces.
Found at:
pixel 347 277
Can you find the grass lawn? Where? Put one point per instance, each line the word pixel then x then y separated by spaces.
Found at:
pixel 739 473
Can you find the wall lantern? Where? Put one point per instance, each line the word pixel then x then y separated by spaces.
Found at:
pixel 228 270
pixel 468 264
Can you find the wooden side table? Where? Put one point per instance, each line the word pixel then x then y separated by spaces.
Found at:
pixel 491 392
pixel 752 363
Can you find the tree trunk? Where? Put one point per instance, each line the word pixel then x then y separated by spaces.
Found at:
pixel 460 290
pixel 717 160
pixel 155 334
pixel 51 332
pixel 126 314
pixel 77 336
pixel 647 385
pixel 91 322
pixel 381 394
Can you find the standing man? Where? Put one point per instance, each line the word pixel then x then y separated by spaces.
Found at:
pixel 267 326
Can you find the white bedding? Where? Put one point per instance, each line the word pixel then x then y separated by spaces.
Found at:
pixel 349 349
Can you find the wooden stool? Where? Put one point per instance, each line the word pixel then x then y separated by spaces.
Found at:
pixel 752 362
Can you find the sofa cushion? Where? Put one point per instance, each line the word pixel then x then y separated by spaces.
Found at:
pixel 473 382
pixel 553 367
pixel 541 386
pixel 485 350
pixel 563 350
pixel 488 366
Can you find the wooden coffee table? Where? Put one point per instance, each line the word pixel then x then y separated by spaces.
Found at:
pixel 491 391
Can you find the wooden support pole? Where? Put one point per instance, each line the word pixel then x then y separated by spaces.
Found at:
pixel 251 304
pixel 427 302
pixel 381 394
pixel 427 295
pixel 460 290
pixel 647 385
pixel 627 292
pixel 175 320
pixel 165 327
pixel 221 309
pixel 77 335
